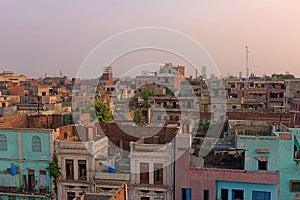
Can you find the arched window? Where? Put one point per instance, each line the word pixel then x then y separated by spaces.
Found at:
pixel 36 144
pixel 3 143
pixel 65 135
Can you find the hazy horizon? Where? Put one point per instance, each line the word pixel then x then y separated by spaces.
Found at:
pixel 49 36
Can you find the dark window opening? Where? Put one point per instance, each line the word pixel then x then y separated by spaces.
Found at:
pixel 262 165
pixel 224 194
pixel 295 186
pixel 71 195
pixel 186 194
pixel 238 194
pixel 81 169
pixel 144 173
pixel 158 174
pixel 65 135
pixel 69 169
pixel 206 195
pixel 31 180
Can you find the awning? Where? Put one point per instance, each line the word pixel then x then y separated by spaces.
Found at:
pixel 266 151
pixel 262 158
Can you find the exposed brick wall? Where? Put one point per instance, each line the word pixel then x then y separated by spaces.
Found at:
pixel 44 121
pixel 128 133
pixel 16 121
pixel 284 118
pixel 120 194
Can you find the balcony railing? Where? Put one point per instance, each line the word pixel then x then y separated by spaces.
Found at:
pixel 41 191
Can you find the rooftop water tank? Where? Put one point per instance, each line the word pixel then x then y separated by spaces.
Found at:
pixel 111 169
pixel 13 170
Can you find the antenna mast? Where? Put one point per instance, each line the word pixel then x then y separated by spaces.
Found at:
pixel 247 67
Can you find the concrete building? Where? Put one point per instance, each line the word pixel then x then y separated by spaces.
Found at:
pixel 151 170
pixel 295 109
pixel 239 166
pixel 24 163
pixel 254 94
pixel 289 159
pixel 292 91
pixel 77 151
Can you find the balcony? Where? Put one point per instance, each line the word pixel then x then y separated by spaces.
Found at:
pixel 24 191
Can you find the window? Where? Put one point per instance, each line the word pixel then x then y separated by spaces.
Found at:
pixel 36 144
pixel 186 194
pixel 158 117
pixel 70 195
pixel 257 195
pixel 30 179
pixel 69 169
pixel 205 194
pixel 43 179
pixel 262 162
pixel 262 165
pixel 3 143
pixel 238 194
pixel 144 173
pixel 158 173
pixel 224 194
pixel 65 135
pixel 189 105
pixel 295 186
pixel 145 198
pixel 81 169
pixel 11 197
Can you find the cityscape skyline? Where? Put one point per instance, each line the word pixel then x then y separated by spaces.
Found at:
pixel 52 36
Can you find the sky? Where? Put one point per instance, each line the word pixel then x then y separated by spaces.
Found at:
pixel 39 37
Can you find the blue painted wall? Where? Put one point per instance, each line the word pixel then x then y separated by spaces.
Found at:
pixel 289 169
pixel 247 187
pixel 30 160
pixel 251 143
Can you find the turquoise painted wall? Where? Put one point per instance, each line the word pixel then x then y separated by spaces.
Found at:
pixel 30 160
pixel 247 187
pixel 251 143
pixel 289 170
pixel 5 197
pixel 26 146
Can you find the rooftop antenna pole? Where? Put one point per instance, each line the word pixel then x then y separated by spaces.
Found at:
pixel 247 67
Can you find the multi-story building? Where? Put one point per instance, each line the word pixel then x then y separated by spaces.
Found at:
pixel 239 166
pixel 289 159
pixel 24 163
pixel 292 91
pixel 168 75
pixel 77 151
pixel 151 170
pixel 253 94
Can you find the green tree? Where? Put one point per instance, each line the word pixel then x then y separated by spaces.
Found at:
pixel 103 112
pixel 206 126
pixel 55 172
pixel 145 95
pixel 98 109
pixel 139 118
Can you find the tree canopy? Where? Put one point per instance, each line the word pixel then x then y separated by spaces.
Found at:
pixel 103 112
pixel 139 118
